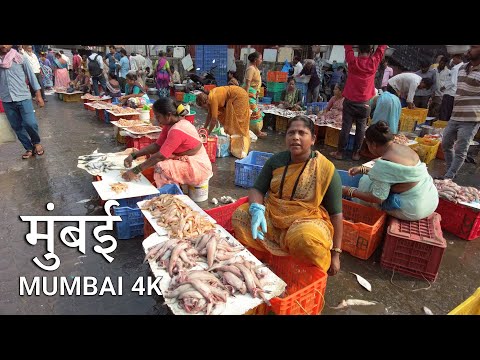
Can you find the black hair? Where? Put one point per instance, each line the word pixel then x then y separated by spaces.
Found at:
pixel 172 68
pixel 112 75
pixel 306 121
pixel 290 79
pixel 123 51
pixel 49 49
pixel 111 46
pixel 424 64
pixel 131 76
pixel 234 73
pixel 340 85
pixel 379 133
pixel 167 106
pixel 428 82
pixel 253 56
pixel 161 53
pixel 61 51
pixel 445 59
pixel 297 58
pixel 364 48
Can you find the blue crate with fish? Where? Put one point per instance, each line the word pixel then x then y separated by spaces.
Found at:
pixel 314 105
pixel 247 169
pixel 132 219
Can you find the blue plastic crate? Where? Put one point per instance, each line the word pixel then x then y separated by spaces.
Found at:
pixel 132 218
pixel 266 100
pixel 348 180
pixel 321 105
pixel 247 169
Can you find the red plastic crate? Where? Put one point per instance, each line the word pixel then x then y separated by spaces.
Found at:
pixel 207 88
pixel 277 76
pixel 462 221
pixel 114 117
pixel 363 229
pixel 139 143
pixel 414 248
pixel 305 291
pixel 179 95
pixel 211 147
pixel 223 214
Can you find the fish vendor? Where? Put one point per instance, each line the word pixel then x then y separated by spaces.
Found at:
pixel 178 155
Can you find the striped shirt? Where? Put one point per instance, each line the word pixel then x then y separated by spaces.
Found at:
pixel 466 106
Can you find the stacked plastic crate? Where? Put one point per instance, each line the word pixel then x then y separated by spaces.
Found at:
pixel 276 83
pixel 204 56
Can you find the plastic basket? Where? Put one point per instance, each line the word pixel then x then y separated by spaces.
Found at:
pixel 139 143
pixel 209 87
pixel 247 169
pixel 332 135
pixel 471 306
pixel 426 149
pixel 179 95
pixel 191 117
pixel 281 123
pixel 173 189
pixel 72 97
pixel 305 291
pixel 210 144
pixel 363 229
pixel 462 221
pixel 131 225
pixel 410 118
pixel 189 98
pixel 321 106
pixel 414 248
pixel 276 86
pixel 440 124
pixel 348 180
pixel 277 76
pixel 275 96
pixel 223 214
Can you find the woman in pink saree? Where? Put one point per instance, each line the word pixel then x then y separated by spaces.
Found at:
pixel 62 78
pixel 334 109
pixel 178 156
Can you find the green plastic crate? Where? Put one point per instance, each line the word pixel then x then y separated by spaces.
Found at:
pixel 276 86
pixel 188 98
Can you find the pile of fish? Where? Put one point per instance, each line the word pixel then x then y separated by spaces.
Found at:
pixel 176 217
pixel 177 254
pixel 118 110
pixel 144 129
pixel 453 192
pixel 281 112
pixel 201 290
pixel 96 163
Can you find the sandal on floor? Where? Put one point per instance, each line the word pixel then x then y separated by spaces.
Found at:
pixel 39 152
pixel 335 155
pixel 356 156
pixel 28 154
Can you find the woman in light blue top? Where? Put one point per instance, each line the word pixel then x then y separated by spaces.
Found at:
pixel 398 183
pixel 388 109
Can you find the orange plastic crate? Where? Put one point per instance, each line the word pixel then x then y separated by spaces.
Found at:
pixel 305 291
pixel 277 76
pixel 113 117
pixel 179 95
pixel 364 231
pixel 209 87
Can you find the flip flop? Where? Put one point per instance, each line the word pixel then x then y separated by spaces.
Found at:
pixel 41 152
pixel 28 154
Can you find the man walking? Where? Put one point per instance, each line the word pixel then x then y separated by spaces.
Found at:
pixel 17 100
pixel 465 120
pixel 35 65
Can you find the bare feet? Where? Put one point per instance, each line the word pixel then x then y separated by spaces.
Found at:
pixel 28 154
pixel 337 155
pixel 262 135
pixel 39 149
pixel 356 156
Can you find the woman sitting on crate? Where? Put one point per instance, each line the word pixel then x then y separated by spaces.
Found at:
pixel 113 86
pixel 228 105
pixel 253 83
pixel 302 214
pixel 178 155
pixel 81 82
pixel 398 183
pixel 334 110
pixel 291 97
pixel 135 96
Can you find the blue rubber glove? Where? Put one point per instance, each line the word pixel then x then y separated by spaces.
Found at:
pixel 257 211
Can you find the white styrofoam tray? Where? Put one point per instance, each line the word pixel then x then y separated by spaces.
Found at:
pixel 184 198
pixel 115 114
pixel 142 133
pixel 236 305
pixel 115 123
pixel 141 187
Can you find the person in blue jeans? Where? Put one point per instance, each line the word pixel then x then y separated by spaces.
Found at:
pixel 17 99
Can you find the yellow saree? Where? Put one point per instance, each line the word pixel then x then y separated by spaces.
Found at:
pixel 299 226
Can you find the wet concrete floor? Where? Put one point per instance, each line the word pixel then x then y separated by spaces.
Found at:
pixel 67 131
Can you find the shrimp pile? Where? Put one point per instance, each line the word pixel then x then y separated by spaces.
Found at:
pixel 176 217
pixel 119 187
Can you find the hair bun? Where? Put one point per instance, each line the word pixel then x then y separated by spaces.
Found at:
pixel 382 127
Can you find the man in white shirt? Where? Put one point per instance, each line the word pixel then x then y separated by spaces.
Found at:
pixel 442 76
pixel 297 65
pixel 404 86
pixel 35 64
pixel 141 65
pixel 451 88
